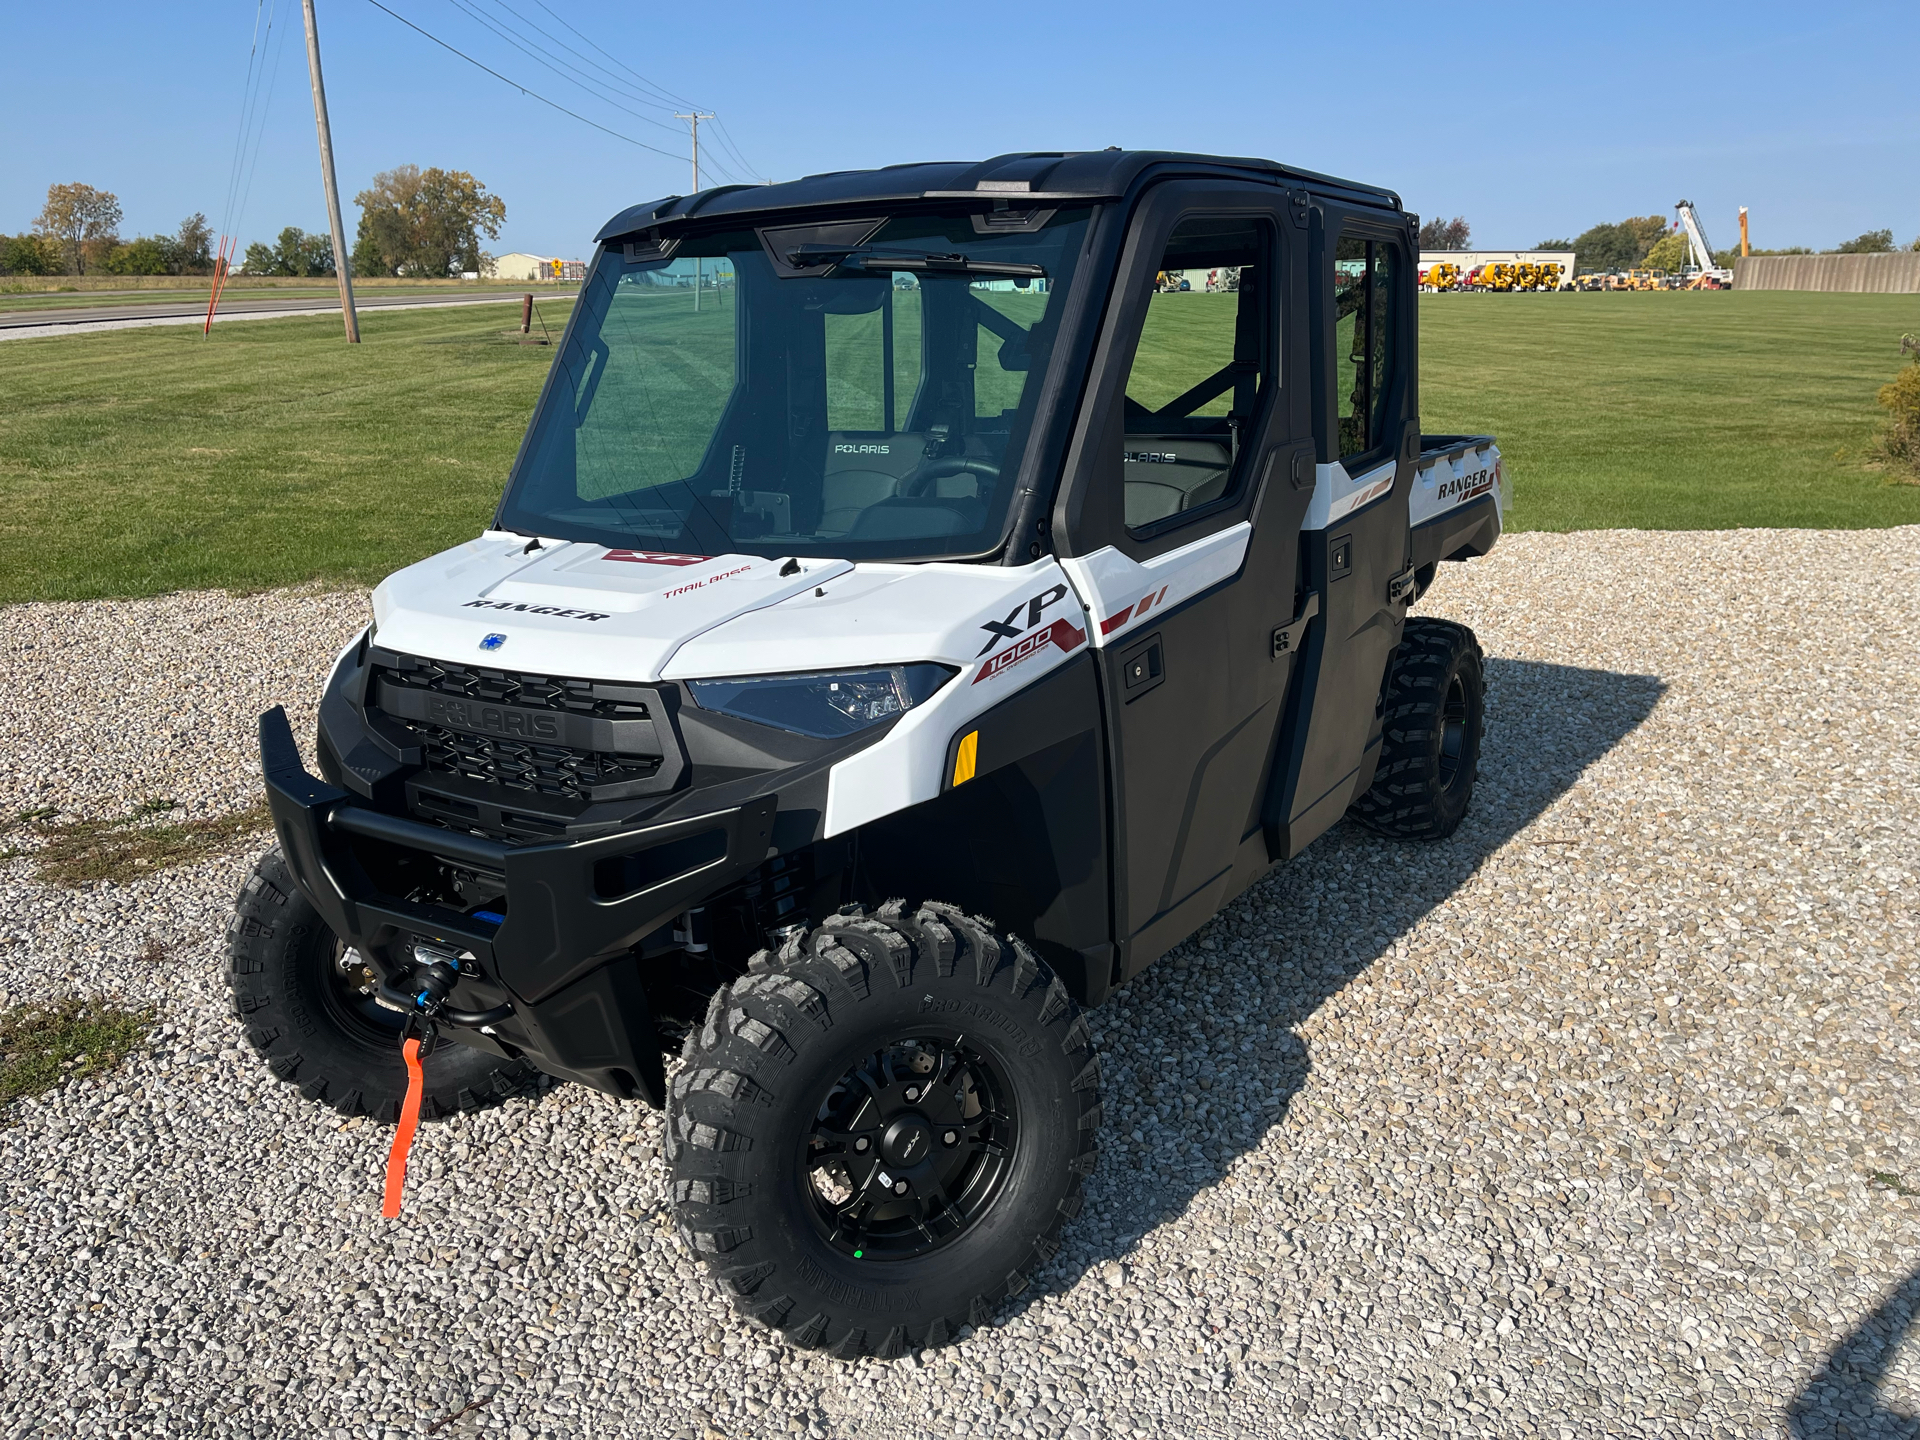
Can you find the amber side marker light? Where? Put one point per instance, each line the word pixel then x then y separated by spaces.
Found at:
pixel 964 758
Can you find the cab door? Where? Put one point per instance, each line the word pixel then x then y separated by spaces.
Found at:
pixel 1356 543
pixel 1179 523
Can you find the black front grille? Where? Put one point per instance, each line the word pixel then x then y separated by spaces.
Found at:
pixel 551 770
pixel 530 771
pixel 509 687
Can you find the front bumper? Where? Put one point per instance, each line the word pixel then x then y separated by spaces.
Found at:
pixel 561 956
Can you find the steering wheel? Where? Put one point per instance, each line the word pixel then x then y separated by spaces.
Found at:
pixel 921 482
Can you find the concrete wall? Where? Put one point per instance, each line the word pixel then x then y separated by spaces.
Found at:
pixel 1876 274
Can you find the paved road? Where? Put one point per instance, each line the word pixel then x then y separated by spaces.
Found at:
pixel 31 324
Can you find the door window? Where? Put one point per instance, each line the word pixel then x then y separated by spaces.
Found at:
pixel 1200 372
pixel 1364 273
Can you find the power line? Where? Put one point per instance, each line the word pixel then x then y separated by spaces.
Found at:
pixel 659 89
pixel 530 94
pixel 580 78
pixel 586 83
pixel 726 137
pixel 622 85
pixel 254 107
pixel 271 72
pixel 246 104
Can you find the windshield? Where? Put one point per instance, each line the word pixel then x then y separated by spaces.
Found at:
pixel 869 401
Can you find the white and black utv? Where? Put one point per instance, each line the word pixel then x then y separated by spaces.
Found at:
pixel 907 617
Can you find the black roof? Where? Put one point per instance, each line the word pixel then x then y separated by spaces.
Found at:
pixel 1037 175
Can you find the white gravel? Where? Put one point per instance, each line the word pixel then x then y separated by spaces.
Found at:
pixel 1567 1126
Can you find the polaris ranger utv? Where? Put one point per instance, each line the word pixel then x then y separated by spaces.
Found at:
pixel 888 551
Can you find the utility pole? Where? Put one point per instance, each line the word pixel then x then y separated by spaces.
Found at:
pixel 342 263
pixel 694 120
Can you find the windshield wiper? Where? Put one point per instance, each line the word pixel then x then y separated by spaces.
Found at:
pixel 852 257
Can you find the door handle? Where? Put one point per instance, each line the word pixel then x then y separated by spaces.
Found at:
pixel 1303 473
pixel 1287 638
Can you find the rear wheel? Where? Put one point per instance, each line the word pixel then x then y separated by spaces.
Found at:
pixel 306 1000
pixel 1434 712
pixel 879 1132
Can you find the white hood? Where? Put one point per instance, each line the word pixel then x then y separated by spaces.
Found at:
pixel 572 608
pixel 584 610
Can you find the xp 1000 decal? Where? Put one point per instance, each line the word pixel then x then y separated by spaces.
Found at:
pixel 1020 628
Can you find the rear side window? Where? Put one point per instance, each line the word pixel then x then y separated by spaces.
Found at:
pixel 1364 278
pixel 1200 372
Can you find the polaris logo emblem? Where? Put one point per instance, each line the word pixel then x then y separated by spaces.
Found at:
pixel 493 642
pixel 863 449
pixel 1150 457
pixel 493 719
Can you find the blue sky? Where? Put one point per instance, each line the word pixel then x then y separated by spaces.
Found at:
pixel 1531 125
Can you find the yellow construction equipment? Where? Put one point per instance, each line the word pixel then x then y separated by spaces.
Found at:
pixel 1442 275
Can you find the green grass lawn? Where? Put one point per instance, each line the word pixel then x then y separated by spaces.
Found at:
pixel 142 461
pixel 136 462
pixel 1674 410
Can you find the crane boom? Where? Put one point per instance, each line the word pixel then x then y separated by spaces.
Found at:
pixel 1697 243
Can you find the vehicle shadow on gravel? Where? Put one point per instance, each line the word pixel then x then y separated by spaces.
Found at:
pixel 1845 1396
pixel 1189 1032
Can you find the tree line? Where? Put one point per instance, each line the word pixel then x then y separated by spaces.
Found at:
pixel 1647 242
pixel 424 223
pixel 1644 242
pixel 78 232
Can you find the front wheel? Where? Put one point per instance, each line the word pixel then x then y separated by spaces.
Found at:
pixel 1435 708
pixel 306 1002
pixel 878 1133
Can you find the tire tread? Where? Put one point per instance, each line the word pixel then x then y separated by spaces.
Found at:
pixel 734 1062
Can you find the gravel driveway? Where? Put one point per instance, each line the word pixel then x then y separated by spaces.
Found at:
pixel 1593 1119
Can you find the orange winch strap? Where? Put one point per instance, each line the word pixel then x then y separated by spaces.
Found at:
pixel 403 1137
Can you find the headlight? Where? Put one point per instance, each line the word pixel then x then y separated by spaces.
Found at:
pixel 826 705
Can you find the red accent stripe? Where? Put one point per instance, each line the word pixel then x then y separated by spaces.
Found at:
pixel 1114 622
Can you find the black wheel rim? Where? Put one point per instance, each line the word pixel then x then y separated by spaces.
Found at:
pixel 347 985
pixel 1453 732
pixel 911 1146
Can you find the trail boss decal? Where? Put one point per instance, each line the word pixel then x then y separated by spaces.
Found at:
pixel 558 612
pixel 1028 640
pixel 693 585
